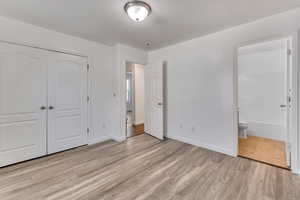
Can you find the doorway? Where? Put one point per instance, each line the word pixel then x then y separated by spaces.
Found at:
pixel 144 107
pixel 135 95
pixel 265 108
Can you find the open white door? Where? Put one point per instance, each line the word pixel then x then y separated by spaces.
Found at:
pixel 67 102
pixel 154 102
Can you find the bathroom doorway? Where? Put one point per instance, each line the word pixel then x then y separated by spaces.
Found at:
pixel 135 94
pixel 265 93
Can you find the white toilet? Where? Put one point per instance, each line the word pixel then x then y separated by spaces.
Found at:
pixel 243 127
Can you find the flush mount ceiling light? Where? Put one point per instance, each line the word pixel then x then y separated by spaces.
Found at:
pixel 137 10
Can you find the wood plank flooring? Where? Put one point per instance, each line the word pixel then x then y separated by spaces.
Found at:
pixel 264 150
pixel 144 168
pixel 139 129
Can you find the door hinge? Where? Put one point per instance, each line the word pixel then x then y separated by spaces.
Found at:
pixel 88 98
pixel 289 52
pixel 88 67
pixel 88 130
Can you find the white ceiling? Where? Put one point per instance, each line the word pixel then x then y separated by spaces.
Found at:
pixel 171 21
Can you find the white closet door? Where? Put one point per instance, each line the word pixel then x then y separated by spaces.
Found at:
pixel 23 93
pixel 154 100
pixel 67 102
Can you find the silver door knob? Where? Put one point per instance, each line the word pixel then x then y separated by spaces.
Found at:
pixel 43 108
pixel 282 106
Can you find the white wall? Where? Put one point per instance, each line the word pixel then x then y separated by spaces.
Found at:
pixel 200 80
pixel 139 76
pixel 123 54
pixel 262 88
pixel 100 57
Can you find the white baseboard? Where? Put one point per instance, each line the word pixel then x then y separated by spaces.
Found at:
pixel 229 152
pixel 266 130
pixel 98 140
pixel 296 171
pixel 105 138
pixel 118 138
pixel 138 123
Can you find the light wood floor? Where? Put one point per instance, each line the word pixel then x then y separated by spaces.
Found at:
pixel 264 150
pixel 145 168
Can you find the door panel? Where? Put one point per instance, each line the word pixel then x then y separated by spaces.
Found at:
pixel 154 100
pixel 67 85
pixel 23 90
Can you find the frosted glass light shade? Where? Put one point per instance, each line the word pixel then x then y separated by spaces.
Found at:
pixel 137 10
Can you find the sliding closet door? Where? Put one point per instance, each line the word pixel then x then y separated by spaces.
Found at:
pixel 23 100
pixel 67 102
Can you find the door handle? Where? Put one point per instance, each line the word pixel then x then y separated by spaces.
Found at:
pixel 160 104
pixel 282 106
pixel 43 108
pixel 51 107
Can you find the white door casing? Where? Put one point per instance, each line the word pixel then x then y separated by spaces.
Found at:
pixel 23 99
pixel 147 99
pixel 67 102
pixel 154 101
pixel 289 93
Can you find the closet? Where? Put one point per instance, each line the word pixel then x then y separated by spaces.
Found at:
pixel 43 102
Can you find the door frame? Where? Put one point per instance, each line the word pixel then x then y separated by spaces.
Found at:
pixel 89 82
pixel 295 165
pixel 123 104
pixel 132 93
